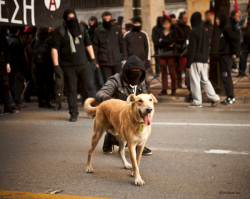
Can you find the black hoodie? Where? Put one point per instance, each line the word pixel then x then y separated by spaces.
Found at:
pixel 198 48
pixel 229 40
pixel 156 31
pixel 117 87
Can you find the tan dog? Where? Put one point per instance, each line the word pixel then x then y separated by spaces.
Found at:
pixel 129 121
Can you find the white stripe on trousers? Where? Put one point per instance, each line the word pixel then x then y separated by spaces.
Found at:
pixel 198 77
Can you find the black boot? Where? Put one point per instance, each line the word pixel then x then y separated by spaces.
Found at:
pixel 58 107
pixel 73 117
pixel 107 145
pixel 173 91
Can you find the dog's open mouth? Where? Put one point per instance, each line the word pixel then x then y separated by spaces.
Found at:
pixel 146 118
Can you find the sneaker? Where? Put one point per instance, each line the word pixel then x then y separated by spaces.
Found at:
pixel 195 106
pixel 227 101
pixel 58 107
pixel 214 104
pixel 107 145
pixel 235 70
pixel 146 151
pixel 163 93
pixel 73 117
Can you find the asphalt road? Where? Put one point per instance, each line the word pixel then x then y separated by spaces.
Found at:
pixel 197 153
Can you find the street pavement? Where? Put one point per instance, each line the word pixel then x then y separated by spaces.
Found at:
pixel 197 153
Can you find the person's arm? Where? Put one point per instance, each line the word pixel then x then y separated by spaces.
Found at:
pixel 54 55
pixel 148 50
pixel 7 55
pixel 191 50
pixel 106 92
pixel 96 46
pixel 234 40
pixel 90 51
pixel 122 46
pixel 126 45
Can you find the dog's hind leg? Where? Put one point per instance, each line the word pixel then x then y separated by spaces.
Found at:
pixel 135 168
pixel 99 129
pixel 122 144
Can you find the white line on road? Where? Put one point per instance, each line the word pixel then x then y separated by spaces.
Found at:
pixel 200 124
pixel 213 151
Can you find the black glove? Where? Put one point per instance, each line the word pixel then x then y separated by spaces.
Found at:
pixel 93 64
pixel 147 64
pixel 58 71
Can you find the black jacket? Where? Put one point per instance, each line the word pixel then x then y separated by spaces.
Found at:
pixel 156 31
pixel 136 43
pixel 4 54
pixel 17 59
pixel 108 46
pixel 181 33
pixel 229 40
pixel 164 41
pixel 209 28
pixel 117 87
pixel 198 48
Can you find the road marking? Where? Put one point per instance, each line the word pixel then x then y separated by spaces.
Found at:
pixel 213 151
pixel 29 195
pixel 200 124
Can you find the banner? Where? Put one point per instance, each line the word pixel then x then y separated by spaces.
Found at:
pixel 41 13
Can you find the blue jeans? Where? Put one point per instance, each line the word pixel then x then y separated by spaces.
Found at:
pixel 243 58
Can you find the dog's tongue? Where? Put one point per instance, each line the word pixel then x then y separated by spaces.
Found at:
pixel 147 119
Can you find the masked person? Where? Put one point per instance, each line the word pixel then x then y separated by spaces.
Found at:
pixel 197 58
pixel 137 43
pixel 130 81
pixel 109 47
pixel 228 50
pixel 70 42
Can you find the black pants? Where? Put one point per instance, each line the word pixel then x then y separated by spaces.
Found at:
pixel 16 84
pixel 226 63
pixel 4 90
pixel 59 88
pixel 44 76
pixel 108 71
pixel 71 76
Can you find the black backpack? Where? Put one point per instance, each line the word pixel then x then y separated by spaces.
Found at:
pixel 40 52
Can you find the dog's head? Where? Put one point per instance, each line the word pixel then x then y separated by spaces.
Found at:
pixel 142 107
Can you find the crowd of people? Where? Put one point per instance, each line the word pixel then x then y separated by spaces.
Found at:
pixel 79 57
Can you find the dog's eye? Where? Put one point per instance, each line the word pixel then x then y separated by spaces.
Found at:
pixel 150 99
pixel 140 101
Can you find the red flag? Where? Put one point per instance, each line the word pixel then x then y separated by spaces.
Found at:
pixel 236 5
pixel 248 6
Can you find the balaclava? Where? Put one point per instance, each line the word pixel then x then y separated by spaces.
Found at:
pixel 133 77
pixel 136 28
pixel 72 24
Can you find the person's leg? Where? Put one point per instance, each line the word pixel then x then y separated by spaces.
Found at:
pixel 71 77
pixel 163 67
pixel 18 85
pixel 40 84
pixel 48 77
pixel 157 66
pixel 86 78
pixel 226 65
pixel 206 84
pixel 195 83
pixel 243 59
pixel 4 81
pixel 99 78
pixel 59 86
pixel 106 72
pixel 172 68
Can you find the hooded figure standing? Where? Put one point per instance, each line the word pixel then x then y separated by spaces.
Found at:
pixel 228 50
pixel 130 81
pixel 70 42
pixel 197 58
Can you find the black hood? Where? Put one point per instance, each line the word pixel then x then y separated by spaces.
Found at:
pixel 196 19
pixel 73 25
pixel 159 19
pixel 133 62
pixel 223 20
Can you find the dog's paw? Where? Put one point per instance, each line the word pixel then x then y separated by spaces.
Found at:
pixel 139 182
pixel 128 166
pixel 89 170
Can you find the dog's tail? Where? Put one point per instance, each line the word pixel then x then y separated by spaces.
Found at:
pixel 90 106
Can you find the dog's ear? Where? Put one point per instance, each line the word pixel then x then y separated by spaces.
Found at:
pixel 131 98
pixel 153 97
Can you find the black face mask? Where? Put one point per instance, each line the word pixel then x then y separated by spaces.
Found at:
pixel 106 24
pixel 136 28
pixel 133 77
pixel 73 26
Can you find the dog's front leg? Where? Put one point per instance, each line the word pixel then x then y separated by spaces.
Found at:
pixel 135 169
pixel 122 145
pixel 139 151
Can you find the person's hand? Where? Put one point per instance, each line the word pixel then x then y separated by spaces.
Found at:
pixel 188 69
pixel 97 65
pixel 8 68
pixel 58 71
pixel 123 62
pixel 233 56
pixel 244 25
